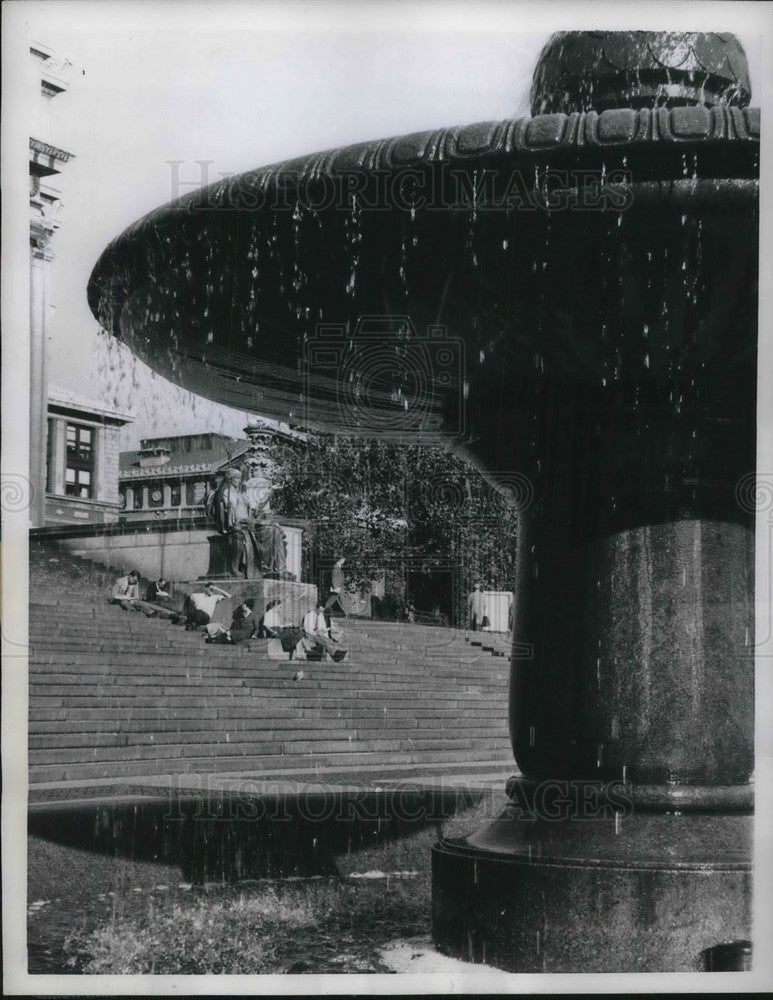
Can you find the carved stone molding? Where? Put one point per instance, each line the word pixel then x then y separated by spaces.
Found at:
pixel 54 152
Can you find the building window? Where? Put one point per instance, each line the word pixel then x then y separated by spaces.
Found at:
pixel 194 492
pixel 138 493
pixel 79 467
pixel 176 494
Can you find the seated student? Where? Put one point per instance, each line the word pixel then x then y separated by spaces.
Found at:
pixel 203 604
pixel 316 634
pixel 124 592
pixel 158 602
pixel 244 625
pixel 273 627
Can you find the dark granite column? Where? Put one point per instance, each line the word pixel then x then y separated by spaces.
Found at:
pixel 627 844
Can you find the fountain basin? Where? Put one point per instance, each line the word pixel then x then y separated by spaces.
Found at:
pixel 230 290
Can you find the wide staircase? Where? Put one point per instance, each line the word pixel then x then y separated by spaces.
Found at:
pixel 117 699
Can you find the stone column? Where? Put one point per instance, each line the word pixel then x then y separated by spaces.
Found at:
pixel 627 844
pixel 58 454
pixel 38 382
pixel 98 486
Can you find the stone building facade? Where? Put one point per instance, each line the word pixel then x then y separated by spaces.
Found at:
pixel 164 483
pixel 82 459
pixel 46 162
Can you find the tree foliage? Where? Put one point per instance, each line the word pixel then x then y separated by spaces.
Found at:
pixel 402 510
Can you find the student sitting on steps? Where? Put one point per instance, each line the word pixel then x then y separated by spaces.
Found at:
pixel 158 603
pixel 317 634
pixel 202 606
pixel 243 626
pixel 124 592
pixel 273 627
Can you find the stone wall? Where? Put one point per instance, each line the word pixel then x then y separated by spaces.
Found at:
pixel 180 554
pixel 107 464
pixel 71 510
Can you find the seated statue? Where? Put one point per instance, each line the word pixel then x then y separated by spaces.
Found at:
pixel 253 545
pixel 271 542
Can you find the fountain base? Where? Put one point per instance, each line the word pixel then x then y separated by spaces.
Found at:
pixel 646 892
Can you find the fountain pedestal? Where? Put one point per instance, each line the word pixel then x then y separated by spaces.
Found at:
pixel 649 892
pixel 627 844
pixel 635 423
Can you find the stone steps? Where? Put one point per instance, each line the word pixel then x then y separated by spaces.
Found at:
pixel 253 765
pixel 154 632
pixel 259 701
pixel 161 723
pixel 132 629
pixel 331 688
pixel 127 710
pixel 159 670
pixel 40 656
pixel 250 736
pixel 261 747
pixel 115 695
pixel 176 639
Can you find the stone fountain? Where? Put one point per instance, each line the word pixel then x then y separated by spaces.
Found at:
pixel 569 299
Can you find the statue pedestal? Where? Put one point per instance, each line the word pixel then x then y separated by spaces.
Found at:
pixel 218 558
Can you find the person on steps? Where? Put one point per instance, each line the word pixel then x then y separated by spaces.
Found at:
pixel 316 634
pixel 243 626
pixel 124 592
pixel 272 626
pixel 203 604
pixel 337 593
pixel 477 605
pixel 158 602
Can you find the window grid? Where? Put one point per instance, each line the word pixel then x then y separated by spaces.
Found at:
pixel 79 467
